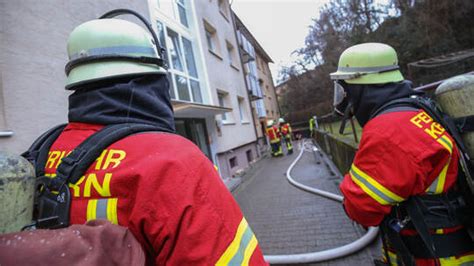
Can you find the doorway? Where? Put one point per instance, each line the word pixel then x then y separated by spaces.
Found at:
pixel 195 130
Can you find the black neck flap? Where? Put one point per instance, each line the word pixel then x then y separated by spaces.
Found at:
pixel 143 100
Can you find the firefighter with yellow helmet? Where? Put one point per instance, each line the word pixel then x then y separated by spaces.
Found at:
pixel 285 130
pixel 273 134
pixel 403 177
pixel 151 182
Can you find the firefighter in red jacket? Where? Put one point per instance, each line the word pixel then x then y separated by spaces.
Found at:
pixel 273 134
pixel 159 185
pixel 285 130
pixel 404 173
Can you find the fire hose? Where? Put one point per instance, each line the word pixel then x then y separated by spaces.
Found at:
pixel 328 254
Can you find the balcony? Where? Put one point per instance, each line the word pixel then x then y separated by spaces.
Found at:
pixel 255 91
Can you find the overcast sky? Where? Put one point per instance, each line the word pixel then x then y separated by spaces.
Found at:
pixel 280 26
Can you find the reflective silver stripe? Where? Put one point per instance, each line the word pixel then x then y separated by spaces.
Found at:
pixel 244 242
pixel 122 50
pixel 101 211
pixel 433 186
pixel 367 69
pixel 373 188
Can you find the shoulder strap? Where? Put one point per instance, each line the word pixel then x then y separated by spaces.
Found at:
pixel 398 103
pixel 73 166
pixel 37 154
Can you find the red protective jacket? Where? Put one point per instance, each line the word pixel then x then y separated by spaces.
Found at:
pixel 273 134
pixel 285 129
pixel 166 192
pixel 401 154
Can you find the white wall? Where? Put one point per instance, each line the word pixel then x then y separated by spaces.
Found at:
pixel 33 37
pixel 222 76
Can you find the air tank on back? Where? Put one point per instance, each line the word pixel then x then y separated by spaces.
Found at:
pixel 17 183
pixel 456 98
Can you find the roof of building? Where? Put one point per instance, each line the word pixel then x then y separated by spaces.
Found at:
pixel 258 48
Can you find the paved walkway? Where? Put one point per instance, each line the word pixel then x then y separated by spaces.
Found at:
pixel 287 220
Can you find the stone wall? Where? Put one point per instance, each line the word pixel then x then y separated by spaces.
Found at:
pixel 340 152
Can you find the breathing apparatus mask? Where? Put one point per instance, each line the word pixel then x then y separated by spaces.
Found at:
pixel 341 101
pixel 342 104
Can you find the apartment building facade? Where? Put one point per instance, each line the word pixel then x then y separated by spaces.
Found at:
pixel 33 54
pixel 208 89
pixel 209 92
pixel 259 81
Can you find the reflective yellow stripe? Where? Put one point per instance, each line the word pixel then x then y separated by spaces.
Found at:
pixel 368 191
pixel 467 260
pixel 109 210
pixel 249 250
pixel 374 189
pixel 442 178
pixel 391 255
pixel 91 209
pixel 234 245
pixel 393 258
pixel 457 261
pixel 112 210
pixel 446 142
pixel 437 186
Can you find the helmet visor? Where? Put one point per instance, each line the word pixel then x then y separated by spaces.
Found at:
pixel 339 94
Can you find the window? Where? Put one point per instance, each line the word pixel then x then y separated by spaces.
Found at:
pixel 231 54
pixel 175 50
pixel 210 43
pixel 249 155
pixel 233 162
pixel 261 108
pixel 176 9
pixel 242 110
pixel 223 8
pixel 221 96
pixel 182 12
pixel 166 6
pixel 182 86
pixel 183 72
pixel 211 38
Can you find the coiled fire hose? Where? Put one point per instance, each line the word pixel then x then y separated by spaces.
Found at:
pixel 328 254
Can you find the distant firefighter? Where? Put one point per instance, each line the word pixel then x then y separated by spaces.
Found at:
pixel 285 130
pixel 313 124
pixel 273 134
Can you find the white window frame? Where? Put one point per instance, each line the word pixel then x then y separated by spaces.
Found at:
pixel 183 4
pixel 231 55
pixel 172 10
pixel 223 98
pixel 173 72
pixel 244 118
pixel 224 8
pixel 212 39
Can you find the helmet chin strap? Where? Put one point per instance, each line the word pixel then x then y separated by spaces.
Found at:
pixel 347 115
